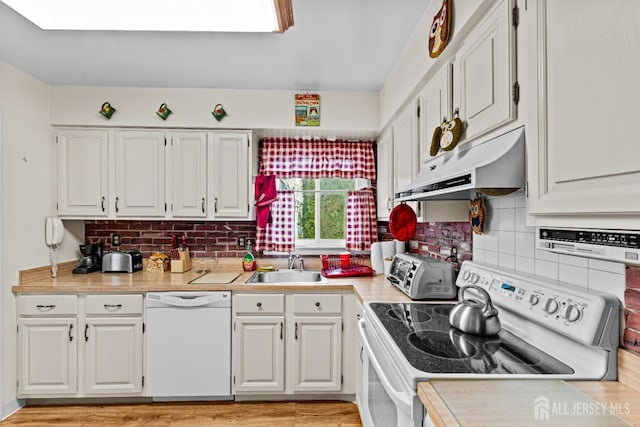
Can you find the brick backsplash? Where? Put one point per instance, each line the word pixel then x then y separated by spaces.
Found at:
pixel 436 239
pixel 631 336
pixel 218 239
pixel 204 238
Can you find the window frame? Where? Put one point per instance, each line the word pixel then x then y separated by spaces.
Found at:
pixel 317 246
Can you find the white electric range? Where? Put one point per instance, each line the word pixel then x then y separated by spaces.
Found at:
pixel 549 330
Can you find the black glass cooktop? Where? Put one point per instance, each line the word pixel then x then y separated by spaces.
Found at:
pixel 430 344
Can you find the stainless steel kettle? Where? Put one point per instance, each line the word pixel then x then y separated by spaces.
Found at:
pixel 474 317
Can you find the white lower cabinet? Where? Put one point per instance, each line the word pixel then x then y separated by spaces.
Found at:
pixel 79 345
pixel 47 356
pixel 259 353
pixel 113 355
pixel 287 343
pixel 317 354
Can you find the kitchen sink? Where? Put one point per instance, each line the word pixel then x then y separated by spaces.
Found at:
pixel 287 277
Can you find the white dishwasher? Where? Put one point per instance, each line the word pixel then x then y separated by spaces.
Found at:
pixel 188 350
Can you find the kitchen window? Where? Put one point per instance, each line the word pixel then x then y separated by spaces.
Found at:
pixel 313 194
pixel 320 210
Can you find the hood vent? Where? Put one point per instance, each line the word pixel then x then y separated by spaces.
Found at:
pixel 493 167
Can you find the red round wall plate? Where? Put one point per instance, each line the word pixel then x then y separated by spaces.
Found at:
pixel 402 222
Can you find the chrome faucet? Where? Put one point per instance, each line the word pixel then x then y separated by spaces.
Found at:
pixel 292 261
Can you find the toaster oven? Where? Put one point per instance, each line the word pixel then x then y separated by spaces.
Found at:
pixel 421 277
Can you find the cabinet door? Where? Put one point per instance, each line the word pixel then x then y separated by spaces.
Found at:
pixel 189 174
pixel 82 173
pixel 582 159
pixel 113 355
pixel 435 104
pixel 140 174
pixel 405 150
pixel 318 354
pixel 259 353
pixel 484 74
pixel 230 174
pixel 47 356
pixel 384 176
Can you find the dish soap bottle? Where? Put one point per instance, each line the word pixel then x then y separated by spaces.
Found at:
pixel 249 261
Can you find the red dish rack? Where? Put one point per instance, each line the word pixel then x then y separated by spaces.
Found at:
pixel 356 267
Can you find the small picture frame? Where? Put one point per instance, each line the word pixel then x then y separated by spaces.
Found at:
pixel 307 109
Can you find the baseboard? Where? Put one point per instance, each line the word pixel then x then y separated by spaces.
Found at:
pixel 11 408
pixel 294 397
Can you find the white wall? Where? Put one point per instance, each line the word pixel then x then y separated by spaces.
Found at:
pixel 414 66
pixel 508 243
pixel 27 197
pixel 342 113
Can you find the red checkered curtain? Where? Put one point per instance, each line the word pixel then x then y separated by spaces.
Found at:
pixel 361 220
pixel 278 235
pixel 317 158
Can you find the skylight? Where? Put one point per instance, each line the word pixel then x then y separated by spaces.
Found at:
pixel 157 15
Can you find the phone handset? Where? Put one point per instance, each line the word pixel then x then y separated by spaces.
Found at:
pixel 53 232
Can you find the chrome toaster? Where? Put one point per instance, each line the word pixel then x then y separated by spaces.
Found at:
pixel 122 262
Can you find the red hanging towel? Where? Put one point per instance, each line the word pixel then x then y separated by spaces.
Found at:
pixel 265 195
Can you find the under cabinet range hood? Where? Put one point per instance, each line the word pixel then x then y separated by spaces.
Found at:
pixel 493 167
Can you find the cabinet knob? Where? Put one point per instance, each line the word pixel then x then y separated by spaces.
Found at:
pixel 259 304
pixel 317 304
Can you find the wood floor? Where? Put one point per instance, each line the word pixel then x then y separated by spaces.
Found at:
pixel 218 414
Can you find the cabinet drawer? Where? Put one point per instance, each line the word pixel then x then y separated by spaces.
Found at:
pixel 114 304
pixel 317 304
pixel 259 303
pixel 47 305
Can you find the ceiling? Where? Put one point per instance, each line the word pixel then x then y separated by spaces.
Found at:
pixel 334 45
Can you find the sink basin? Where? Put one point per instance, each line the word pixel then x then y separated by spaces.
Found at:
pixel 287 277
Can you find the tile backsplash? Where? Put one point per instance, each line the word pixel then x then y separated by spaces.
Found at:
pixel 508 243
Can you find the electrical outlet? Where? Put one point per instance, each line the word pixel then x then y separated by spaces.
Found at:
pixel 454 254
pixel 242 242
pixel 115 239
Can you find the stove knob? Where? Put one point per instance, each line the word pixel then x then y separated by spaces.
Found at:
pixel 534 299
pixel 551 306
pixel 572 313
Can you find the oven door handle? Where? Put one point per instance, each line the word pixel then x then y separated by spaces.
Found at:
pixel 399 397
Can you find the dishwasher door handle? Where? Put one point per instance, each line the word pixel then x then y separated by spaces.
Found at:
pixel 188 300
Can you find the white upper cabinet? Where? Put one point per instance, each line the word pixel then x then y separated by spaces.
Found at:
pixel 384 176
pixel 154 174
pixel 435 105
pixel 189 174
pixel 581 160
pixel 485 73
pixel 405 150
pixel 140 174
pixel 82 173
pixel 230 175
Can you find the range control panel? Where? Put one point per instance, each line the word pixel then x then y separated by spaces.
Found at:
pixel 570 310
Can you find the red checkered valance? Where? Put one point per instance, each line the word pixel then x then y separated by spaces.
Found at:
pixel 317 158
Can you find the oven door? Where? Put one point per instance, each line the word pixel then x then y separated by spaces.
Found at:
pixel 387 398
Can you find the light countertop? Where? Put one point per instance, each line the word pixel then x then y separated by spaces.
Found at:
pixel 39 280
pixel 514 402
